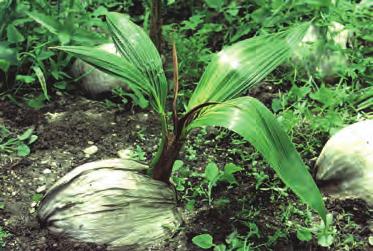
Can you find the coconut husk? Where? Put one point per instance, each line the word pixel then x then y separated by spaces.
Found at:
pixel 111 202
pixel 345 165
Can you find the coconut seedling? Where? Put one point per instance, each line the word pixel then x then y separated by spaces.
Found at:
pixel 125 203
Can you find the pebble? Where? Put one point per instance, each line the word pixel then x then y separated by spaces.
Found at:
pixel 47 171
pixel 90 150
pixel 32 210
pixel 90 142
pixel 44 161
pixel 33 204
pixel 53 164
pixel 41 189
pixel 142 117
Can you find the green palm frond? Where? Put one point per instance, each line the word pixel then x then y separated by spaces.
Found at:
pixel 140 65
pixel 236 68
pixel 135 45
pixel 254 122
pixel 111 64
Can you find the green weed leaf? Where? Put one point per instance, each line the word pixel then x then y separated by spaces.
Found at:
pixel 37 197
pixel 27 134
pixel 204 241
pixel 325 96
pixel 23 150
pixel 211 172
pixel 304 234
pixel 325 240
pixel 14 36
pixel 229 170
pixel 43 84
pixel 215 4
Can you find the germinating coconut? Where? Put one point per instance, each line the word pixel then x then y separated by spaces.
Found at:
pixel 111 202
pixel 94 82
pixel 346 162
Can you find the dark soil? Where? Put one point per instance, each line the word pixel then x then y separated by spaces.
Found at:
pixel 70 124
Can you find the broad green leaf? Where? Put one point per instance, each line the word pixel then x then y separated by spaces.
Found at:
pixel 229 170
pixel 304 234
pixel 254 122
pixel 43 84
pixel 23 150
pixel 36 102
pixel 136 47
pixel 325 240
pixel 211 172
pixel 240 66
pixel 203 241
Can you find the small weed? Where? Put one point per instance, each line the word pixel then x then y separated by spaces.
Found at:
pixel 10 143
pixel 3 235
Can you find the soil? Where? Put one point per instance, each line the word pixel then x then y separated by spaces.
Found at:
pixel 69 124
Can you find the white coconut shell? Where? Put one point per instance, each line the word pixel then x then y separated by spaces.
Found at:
pixel 92 81
pixel 346 161
pixel 111 202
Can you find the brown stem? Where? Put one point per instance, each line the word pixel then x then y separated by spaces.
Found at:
pixel 176 87
pixel 163 168
pixel 156 24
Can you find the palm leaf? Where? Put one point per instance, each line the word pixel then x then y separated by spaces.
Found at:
pixel 244 64
pixel 254 122
pixel 114 65
pixel 135 45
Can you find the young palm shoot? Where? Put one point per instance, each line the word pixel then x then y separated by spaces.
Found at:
pixel 112 201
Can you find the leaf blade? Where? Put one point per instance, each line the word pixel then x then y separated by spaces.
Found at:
pixel 253 121
pixel 240 66
pixel 111 64
pixel 135 45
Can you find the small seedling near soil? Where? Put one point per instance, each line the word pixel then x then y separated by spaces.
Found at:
pixel 214 102
pixel 213 176
pixel 3 234
pixel 10 143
